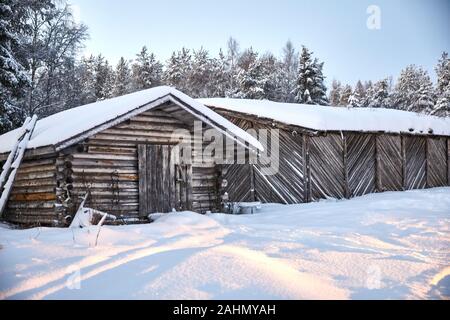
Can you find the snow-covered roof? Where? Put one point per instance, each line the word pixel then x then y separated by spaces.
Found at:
pixel 64 127
pixel 323 118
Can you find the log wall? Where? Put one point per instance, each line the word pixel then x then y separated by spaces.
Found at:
pixel 108 165
pixel 33 195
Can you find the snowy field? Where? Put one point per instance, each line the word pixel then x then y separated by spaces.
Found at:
pixel 383 246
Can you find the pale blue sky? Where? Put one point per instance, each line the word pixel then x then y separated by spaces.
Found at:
pixel 412 31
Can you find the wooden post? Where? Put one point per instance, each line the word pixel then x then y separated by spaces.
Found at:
pixel 189 201
pixel 142 164
pixel 378 183
pixel 306 168
pixel 403 161
pixel 345 162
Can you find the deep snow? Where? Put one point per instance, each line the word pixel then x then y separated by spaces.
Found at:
pixel 381 246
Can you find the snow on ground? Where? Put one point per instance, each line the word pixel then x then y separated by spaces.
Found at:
pixel 382 246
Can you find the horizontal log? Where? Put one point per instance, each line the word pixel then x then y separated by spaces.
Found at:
pixel 105 177
pixel 112 150
pixel 35 175
pixel 40 162
pixel 31 205
pixel 35 189
pixel 103 170
pixel 39 168
pixel 99 156
pixel 33 197
pixel 120 139
pixel 105 185
pixel 149 127
pixel 79 163
pixel 35 182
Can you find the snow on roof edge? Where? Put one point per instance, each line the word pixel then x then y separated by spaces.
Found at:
pixel 324 118
pixel 68 124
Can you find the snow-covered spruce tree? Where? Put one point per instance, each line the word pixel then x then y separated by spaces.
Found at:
pixel 178 70
pixel 310 88
pixel 104 79
pixel 250 81
pixel 442 107
pixel 122 81
pixel 335 93
pixel 345 96
pixel 443 74
pixel 319 92
pixel 233 56
pixel 220 79
pixel 305 78
pixel 288 72
pixel 12 75
pixel 200 76
pixel 358 96
pixel 368 94
pixel 87 80
pixel 380 95
pixel 414 90
pixel 146 71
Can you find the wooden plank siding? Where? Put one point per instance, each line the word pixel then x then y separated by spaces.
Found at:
pixel 157 192
pixel 361 164
pixel 415 159
pixel 287 186
pixel 389 163
pixel 437 162
pixel 326 163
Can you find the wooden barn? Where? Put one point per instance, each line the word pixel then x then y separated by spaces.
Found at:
pixel 329 152
pixel 124 152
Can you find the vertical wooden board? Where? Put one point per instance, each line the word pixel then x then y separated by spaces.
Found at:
pixel 389 163
pixel 327 167
pixel 172 177
pixel 437 162
pixel 448 162
pixel 189 199
pixel 165 178
pixel 142 164
pixel 361 163
pixel 415 162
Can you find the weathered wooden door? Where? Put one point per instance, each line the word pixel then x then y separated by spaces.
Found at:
pixel 161 188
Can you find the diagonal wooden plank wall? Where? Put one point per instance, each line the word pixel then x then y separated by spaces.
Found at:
pixel 326 163
pixel 345 165
pixel 437 162
pixel 389 163
pixel 361 164
pixel 287 185
pixel 415 162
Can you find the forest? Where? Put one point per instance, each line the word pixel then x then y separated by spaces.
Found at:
pixel 43 71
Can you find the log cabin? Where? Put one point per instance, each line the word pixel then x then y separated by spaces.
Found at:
pixel 124 153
